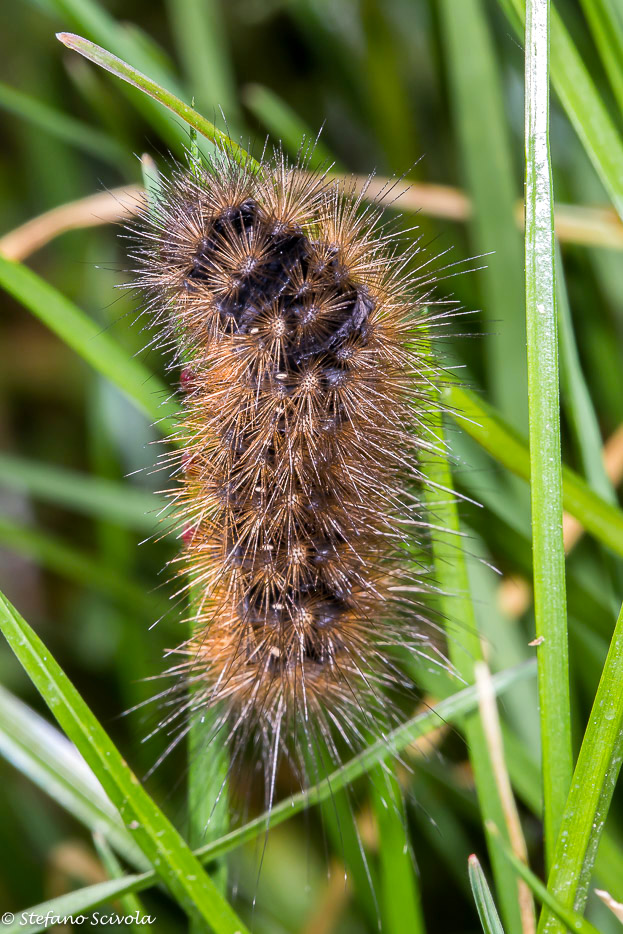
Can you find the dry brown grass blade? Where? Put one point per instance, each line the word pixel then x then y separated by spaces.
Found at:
pixel 493 735
pixel 105 207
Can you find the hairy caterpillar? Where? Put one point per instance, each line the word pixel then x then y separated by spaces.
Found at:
pixel 298 320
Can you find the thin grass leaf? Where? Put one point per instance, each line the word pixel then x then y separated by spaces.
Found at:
pixel 573 921
pixel 492 433
pixel 41 752
pixel 526 780
pixel 452 709
pixel 545 461
pixel 284 124
pixel 95 22
pixel 594 780
pixel 605 25
pixel 582 103
pixel 73 904
pixel 151 830
pixel 92 343
pixel 487 912
pixel 465 648
pixel 131 904
pixel 151 181
pixel 94 53
pixel 474 75
pixel 89 495
pixel 201 40
pixel 576 397
pixel 68 129
pixel 399 892
pixel 85 570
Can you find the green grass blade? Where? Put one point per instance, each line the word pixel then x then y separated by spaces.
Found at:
pixel 85 337
pixel 576 397
pixel 152 181
pixel 89 495
pixel 573 921
pixel 475 75
pixel 582 103
pixel 150 829
pixel 492 433
pixel 71 131
pixel 399 893
pixel 94 21
pixel 85 570
pixel 487 912
pixel 73 903
pixel 452 709
pixel 284 124
pixel 42 753
pixel 544 412
pixel 605 26
pixel 593 784
pixel 130 903
pixel 94 53
pixel 465 649
pixel 201 41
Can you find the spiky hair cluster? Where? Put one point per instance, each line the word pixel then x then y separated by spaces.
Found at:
pixel 298 321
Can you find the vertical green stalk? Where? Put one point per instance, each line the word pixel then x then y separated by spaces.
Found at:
pixel 465 649
pixel 544 414
pixel 400 899
pixel 594 780
pixel 474 74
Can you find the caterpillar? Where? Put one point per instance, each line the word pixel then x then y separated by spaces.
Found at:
pixel 299 322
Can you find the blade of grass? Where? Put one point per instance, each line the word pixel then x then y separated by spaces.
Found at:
pixel 570 919
pixel 382 81
pixel 89 495
pixel 80 333
pixel 582 103
pixel 544 416
pixel 576 397
pixel 487 912
pixel 71 131
pixel 285 124
pixel 489 717
pixel 509 448
pixel 151 830
pixel 201 41
pixel 400 899
pixel 593 784
pixel 85 570
pixel 451 577
pixel 605 26
pixel 41 752
pixel 130 904
pixel 452 709
pixel 474 75
pixel 94 20
pixel 94 53
pixel 73 904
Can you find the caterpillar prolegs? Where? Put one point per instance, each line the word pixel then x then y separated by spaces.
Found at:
pixel 299 321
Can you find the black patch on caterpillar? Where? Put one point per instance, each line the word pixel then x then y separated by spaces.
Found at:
pixel 285 252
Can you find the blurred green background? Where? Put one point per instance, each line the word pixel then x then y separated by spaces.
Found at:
pixel 432 89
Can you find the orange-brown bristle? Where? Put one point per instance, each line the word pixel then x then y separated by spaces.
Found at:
pixel 306 374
